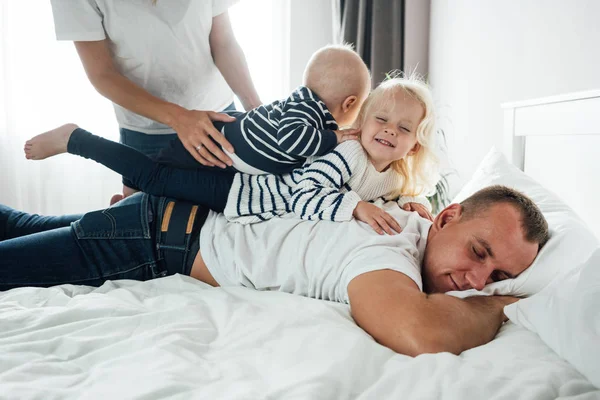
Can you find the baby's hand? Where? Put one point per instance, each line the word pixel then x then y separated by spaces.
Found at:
pixel 346 134
pixel 419 208
pixel 378 219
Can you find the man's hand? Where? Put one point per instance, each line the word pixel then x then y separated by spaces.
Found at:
pixel 195 129
pixel 378 219
pixel 346 134
pixel 505 301
pixel 419 208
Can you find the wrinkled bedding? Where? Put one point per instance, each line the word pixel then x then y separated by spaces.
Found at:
pixel 179 338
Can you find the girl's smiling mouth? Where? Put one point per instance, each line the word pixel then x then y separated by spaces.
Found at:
pixel 384 142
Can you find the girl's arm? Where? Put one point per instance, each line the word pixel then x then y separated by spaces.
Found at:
pixel 420 204
pixel 192 126
pixel 318 193
pixel 403 200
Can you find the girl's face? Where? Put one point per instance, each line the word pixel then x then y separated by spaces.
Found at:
pixel 389 132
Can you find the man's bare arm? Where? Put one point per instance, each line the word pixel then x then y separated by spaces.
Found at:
pixel 391 308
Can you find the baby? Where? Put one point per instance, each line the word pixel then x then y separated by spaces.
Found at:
pixel 278 137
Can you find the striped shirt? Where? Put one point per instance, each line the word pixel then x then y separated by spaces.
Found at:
pixel 277 138
pixel 326 188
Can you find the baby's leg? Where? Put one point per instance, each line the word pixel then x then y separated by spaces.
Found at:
pixel 49 143
pixel 204 185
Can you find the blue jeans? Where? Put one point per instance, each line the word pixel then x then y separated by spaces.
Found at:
pixel 151 145
pixel 120 242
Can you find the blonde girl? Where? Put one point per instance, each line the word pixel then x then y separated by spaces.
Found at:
pixel 393 158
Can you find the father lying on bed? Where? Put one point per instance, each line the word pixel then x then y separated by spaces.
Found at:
pixel 394 284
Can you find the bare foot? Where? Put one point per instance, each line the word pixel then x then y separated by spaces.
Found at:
pixel 49 143
pixel 127 191
pixel 116 198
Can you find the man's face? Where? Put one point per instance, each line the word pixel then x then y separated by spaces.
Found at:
pixel 468 254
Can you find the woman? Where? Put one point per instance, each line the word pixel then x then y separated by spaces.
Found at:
pixel 161 62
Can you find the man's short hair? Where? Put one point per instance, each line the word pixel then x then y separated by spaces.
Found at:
pixel 535 226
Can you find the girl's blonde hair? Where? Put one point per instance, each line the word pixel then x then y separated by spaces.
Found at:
pixel 420 169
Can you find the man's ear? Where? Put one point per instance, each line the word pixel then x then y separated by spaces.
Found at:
pixel 349 102
pixel 448 215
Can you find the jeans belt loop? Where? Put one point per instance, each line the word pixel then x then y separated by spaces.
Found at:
pixel 176 225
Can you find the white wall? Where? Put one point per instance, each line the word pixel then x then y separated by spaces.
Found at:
pixel 486 52
pixel 416 36
pixel 311 27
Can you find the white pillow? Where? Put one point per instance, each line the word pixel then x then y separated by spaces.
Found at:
pixel 571 241
pixel 566 316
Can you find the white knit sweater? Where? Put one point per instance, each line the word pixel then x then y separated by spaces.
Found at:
pixel 328 188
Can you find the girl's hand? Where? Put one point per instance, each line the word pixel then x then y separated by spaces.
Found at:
pixel 419 208
pixel 195 129
pixel 379 220
pixel 346 134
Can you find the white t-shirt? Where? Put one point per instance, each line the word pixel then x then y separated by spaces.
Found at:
pixel 163 48
pixel 317 259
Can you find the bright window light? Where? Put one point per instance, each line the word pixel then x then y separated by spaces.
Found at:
pixel 261 29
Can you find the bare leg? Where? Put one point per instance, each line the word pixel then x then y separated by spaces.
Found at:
pixel 49 143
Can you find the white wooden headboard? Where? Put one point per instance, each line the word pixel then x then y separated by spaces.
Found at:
pixel 556 141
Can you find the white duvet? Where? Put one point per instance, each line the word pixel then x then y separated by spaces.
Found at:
pixel 178 338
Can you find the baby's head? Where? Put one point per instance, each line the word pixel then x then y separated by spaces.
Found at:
pixel 338 75
pixel 397 123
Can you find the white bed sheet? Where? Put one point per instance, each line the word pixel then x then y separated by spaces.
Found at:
pixel 178 338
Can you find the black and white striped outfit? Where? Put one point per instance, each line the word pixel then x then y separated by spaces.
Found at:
pixel 326 188
pixel 277 138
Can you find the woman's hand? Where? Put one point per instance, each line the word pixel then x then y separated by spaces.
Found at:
pixel 195 129
pixel 419 208
pixel 379 220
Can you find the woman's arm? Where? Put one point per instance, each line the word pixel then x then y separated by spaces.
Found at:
pixel 229 58
pixel 192 126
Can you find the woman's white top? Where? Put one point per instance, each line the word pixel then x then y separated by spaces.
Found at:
pixel 163 48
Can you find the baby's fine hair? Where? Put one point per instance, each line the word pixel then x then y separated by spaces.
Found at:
pixel 335 72
pixel 420 169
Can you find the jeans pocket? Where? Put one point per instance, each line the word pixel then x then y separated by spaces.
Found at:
pixel 129 221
